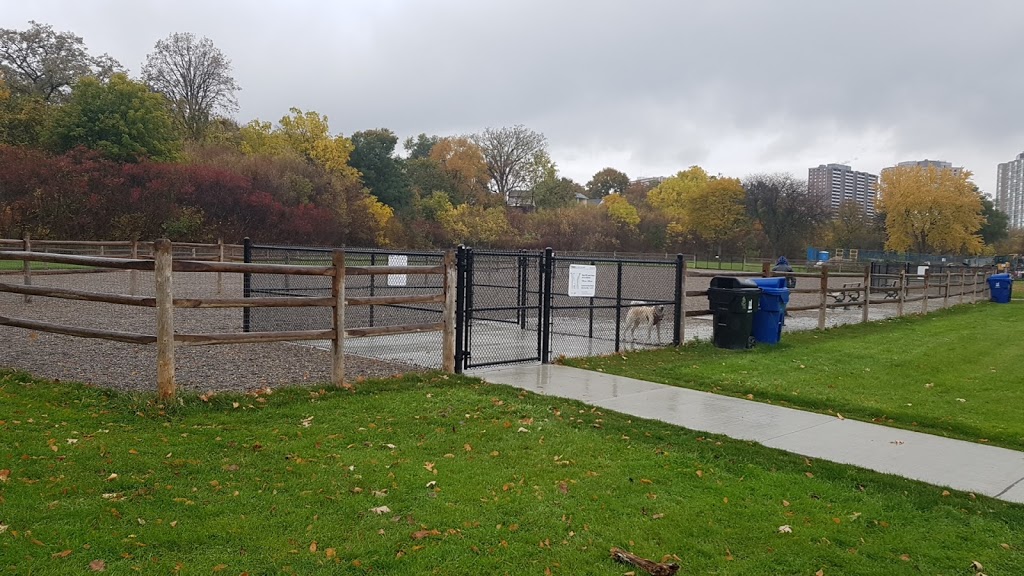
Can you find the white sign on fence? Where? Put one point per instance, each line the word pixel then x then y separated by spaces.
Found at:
pixel 582 280
pixel 397 260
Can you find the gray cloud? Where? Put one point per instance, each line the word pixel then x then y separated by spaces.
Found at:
pixel 649 87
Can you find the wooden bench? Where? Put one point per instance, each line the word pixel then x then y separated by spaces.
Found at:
pixel 848 292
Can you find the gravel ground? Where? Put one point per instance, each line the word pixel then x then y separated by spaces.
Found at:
pixel 130 367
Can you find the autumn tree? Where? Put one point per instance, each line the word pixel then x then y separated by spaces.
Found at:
pixel 120 118
pixel 462 162
pixel 621 211
pixel 195 77
pixel 39 62
pixel 786 213
pixel 607 181
pixel 382 172
pixel 930 209
pixel 515 157
pixel 715 211
pixel 307 134
pixel 670 197
pixel 24 120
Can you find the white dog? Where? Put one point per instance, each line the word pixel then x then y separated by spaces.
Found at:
pixel 643 314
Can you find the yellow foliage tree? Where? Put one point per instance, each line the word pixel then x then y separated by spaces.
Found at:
pixel 716 210
pixel 381 214
pixel 475 225
pixel 695 203
pixel 304 133
pixel 621 211
pixel 930 209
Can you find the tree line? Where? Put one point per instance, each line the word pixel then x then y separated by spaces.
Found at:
pixel 89 152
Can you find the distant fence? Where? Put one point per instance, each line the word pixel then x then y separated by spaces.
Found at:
pixel 163 265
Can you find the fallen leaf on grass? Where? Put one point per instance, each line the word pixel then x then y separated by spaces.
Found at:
pixel 785 529
pixel 4 475
pixel 97 565
pixel 331 553
pixel 380 510
pixel 945 492
pixel 421 534
pixel 976 566
pixel 61 554
pixel 312 547
pixel 307 422
pixel 905 557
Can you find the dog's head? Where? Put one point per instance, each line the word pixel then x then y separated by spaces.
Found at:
pixel 659 313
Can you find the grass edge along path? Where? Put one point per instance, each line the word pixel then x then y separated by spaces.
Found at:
pixel 448 475
pixel 954 372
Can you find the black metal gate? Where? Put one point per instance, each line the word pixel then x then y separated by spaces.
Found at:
pixel 516 306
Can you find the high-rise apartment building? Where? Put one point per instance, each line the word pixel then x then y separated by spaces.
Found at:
pixel 939 164
pixel 1010 190
pixel 837 184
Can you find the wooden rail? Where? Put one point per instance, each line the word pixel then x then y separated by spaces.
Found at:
pixel 163 265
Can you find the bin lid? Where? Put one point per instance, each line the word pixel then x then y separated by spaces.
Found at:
pixel 775 291
pixel 731 282
pixel 1000 277
pixel 774 282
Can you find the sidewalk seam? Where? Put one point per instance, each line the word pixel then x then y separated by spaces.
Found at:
pixel 1008 488
pixel 796 431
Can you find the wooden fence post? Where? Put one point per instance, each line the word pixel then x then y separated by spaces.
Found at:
pixel 974 287
pixel 924 303
pixel 945 293
pixel 220 258
pixel 338 292
pixel 448 336
pixel 963 284
pixel 902 294
pixel 766 270
pixel 133 275
pixel 867 294
pixel 163 264
pixel 26 266
pixel 823 310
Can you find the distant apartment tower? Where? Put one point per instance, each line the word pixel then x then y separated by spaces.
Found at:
pixel 939 164
pixel 1010 191
pixel 838 183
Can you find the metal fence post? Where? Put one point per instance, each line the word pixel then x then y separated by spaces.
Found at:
pixel 545 347
pixel 373 282
pixel 246 283
pixel 823 308
pixel 902 293
pixel 677 328
pixel 220 258
pixel 867 294
pixel 963 284
pixel 460 305
pixel 133 275
pixel 26 266
pixel 590 310
pixel 162 268
pixel 521 275
pixel 618 303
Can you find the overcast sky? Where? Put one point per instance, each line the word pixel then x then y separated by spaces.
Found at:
pixel 647 87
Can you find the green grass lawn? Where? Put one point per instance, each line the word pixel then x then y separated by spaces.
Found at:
pixel 955 373
pixel 444 475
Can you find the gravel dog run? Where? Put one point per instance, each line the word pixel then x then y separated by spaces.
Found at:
pixel 131 367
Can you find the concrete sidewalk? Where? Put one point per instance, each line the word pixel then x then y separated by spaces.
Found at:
pixel 996 472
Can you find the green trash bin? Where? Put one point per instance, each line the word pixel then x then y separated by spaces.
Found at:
pixel 733 304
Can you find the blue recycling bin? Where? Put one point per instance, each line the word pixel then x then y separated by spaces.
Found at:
pixel 771 313
pixel 1001 287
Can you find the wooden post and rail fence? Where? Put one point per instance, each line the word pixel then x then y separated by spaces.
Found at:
pixel 164 265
